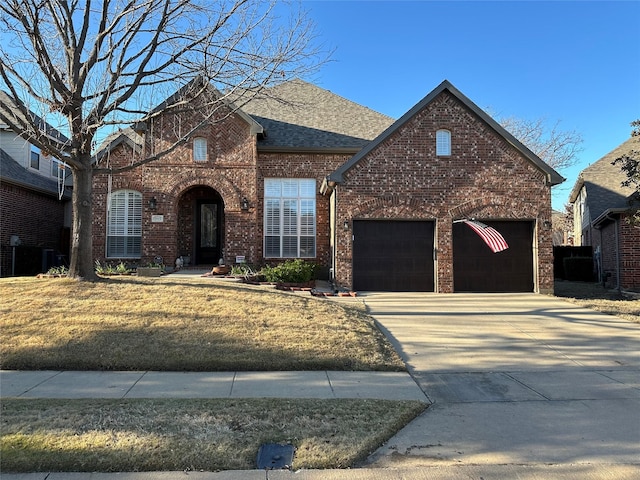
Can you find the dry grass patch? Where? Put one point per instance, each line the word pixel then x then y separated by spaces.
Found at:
pixel 129 323
pixel 209 434
pixel 596 297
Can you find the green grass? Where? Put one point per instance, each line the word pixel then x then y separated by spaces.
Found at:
pixel 209 434
pixel 129 323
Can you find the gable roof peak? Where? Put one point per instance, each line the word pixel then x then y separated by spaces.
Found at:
pixel 553 178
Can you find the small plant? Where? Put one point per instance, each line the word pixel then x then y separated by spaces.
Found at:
pixel 291 271
pixel 100 270
pixel 122 269
pixel 61 270
pixel 109 269
pixel 243 270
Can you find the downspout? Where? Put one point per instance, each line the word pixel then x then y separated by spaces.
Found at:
pixel 334 224
pixel 331 187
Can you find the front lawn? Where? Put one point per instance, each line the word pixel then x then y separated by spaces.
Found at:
pixel 49 435
pixel 181 324
pixel 177 324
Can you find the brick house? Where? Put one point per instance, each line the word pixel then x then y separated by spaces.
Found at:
pixel 601 207
pixel 311 175
pixel 35 209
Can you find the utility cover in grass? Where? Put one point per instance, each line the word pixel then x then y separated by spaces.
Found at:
pixel 273 455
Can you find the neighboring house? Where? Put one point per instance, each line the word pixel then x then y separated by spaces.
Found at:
pixel 376 203
pixel 601 207
pixel 35 207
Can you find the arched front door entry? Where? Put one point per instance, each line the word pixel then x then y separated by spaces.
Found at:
pixel 208 228
pixel 201 225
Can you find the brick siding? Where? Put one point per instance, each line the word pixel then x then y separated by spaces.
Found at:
pixel 36 218
pixel 484 177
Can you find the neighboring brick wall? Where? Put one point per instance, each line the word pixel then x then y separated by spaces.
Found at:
pixel 484 178
pixel 36 218
pixel 630 255
pixel 628 261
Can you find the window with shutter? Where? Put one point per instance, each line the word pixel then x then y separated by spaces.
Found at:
pixel 124 224
pixel 290 218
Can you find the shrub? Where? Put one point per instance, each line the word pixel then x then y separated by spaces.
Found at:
pixel 291 271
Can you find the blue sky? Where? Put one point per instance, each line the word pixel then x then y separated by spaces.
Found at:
pixel 573 61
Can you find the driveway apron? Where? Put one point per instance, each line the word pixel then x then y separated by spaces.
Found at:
pixel 513 379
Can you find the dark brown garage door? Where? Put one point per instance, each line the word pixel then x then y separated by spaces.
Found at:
pixel 477 269
pixel 393 256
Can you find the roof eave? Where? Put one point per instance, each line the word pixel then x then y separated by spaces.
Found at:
pixel 317 150
pixel 33 188
pixel 575 191
pixel 606 215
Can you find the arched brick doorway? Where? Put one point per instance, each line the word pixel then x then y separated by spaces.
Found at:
pixel 200 225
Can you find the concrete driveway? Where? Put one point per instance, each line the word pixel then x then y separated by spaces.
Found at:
pixel 514 379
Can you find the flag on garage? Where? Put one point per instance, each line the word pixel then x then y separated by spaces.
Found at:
pixel 494 240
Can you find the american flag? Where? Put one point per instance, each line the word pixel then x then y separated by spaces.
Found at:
pixel 491 236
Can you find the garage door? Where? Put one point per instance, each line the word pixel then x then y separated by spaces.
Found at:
pixel 393 256
pixel 477 269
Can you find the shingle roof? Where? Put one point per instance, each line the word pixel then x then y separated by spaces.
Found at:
pixel 10 112
pixel 12 172
pixel 553 177
pixel 602 181
pixel 299 115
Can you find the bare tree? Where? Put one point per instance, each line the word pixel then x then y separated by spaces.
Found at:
pixel 89 66
pixel 556 147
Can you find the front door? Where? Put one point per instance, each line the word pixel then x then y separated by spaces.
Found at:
pixel 208 215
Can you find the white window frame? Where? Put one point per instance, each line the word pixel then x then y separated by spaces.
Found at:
pixel 200 149
pixel 289 218
pixel 124 224
pixel 34 156
pixel 443 143
pixel 57 165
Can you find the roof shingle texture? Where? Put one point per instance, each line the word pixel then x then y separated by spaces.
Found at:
pixel 297 114
pixel 12 172
pixel 602 181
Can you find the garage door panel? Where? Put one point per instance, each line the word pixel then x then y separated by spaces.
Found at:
pixel 393 255
pixel 477 269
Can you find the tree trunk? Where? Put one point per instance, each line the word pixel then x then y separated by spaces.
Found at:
pixel 81 266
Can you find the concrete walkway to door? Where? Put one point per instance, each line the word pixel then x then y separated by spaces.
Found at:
pixel 514 379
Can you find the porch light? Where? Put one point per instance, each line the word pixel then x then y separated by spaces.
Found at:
pixel 153 203
pixel 345 225
pixel 244 204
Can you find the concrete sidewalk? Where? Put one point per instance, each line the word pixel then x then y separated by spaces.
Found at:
pixel 436 472
pixel 309 384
